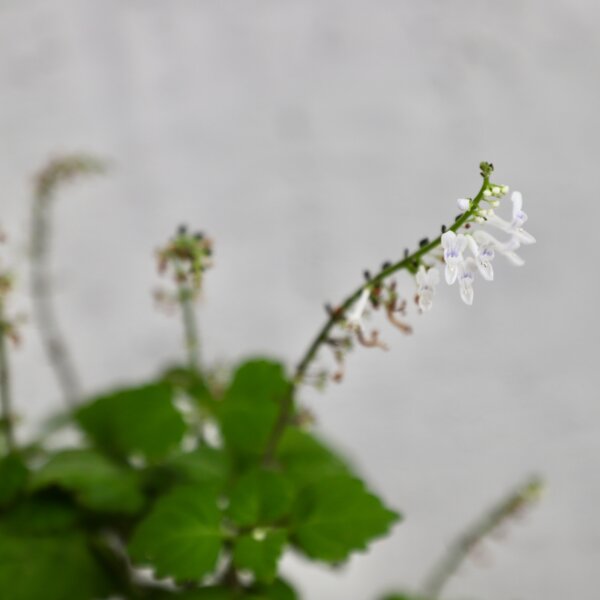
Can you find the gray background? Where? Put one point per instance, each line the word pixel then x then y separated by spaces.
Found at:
pixel 313 139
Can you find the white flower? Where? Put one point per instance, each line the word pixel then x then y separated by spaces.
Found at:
pixel 354 319
pixel 483 254
pixel 464 204
pixel 505 248
pixel 466 277
pixel 515 227
pixel 427 279
pixel 454 246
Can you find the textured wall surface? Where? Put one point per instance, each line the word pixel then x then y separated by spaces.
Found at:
pixel 313 139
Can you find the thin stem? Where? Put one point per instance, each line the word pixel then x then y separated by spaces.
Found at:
pixel 53 341
pixel 465 543
pixel 406 262
pixel 287 404
pixel 5 396
pixel 190 326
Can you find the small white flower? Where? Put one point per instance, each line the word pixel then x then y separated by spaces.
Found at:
pixel 505 248
pixel 466 277
pixel 354 318
pixel 427 279
pixel 454 246
pixel 463 203
pixel 515 227
pixel 483 254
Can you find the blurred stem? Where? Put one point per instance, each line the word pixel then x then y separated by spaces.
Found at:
pixel 465 543
pixel 407 262
pixel 53 341
pixel 190 326
pixel 5 397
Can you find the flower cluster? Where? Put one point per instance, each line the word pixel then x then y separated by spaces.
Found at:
pixel 187 256
pixel 481 246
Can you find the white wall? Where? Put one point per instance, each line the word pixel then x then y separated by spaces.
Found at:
pixel 313 139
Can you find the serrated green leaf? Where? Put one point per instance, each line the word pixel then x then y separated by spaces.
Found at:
pixel 259 497
pixel 260 554
pixel 305 459
pixel 50 567
pixel 13 478
pixel 251 405
pixel 336 516
pixel 95 482
pixel 181 537
pixel 139 420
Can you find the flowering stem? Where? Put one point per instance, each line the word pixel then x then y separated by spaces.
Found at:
pixel 190 327
pixel 53 341
pixel 5 398
pixel 464 545
pixel 407 262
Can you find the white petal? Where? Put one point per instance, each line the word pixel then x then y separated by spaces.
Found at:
pixel 448 240
pixel 466 293
pixel 473 247
pixel 421 276
pixel 486 269
pixel 514 258
pixel 524 237
pixel 451 274
pixel 353 319
pixel 463 203
pixel 461 242
pixel 425 301
pixel 517 202
pixel 495 221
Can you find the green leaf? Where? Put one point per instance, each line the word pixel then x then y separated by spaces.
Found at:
pixel 193 384
pixel 42 514
pixel 206 593
pixel 260 554
pixel 206 465
pixel 96 483
pixel 336 516
pixel 259 497
pixel 50 567
pixel 279 590
pixel 181 537
pixel 305 459
pixel 251 405
pixel 139 420
pixel 13 478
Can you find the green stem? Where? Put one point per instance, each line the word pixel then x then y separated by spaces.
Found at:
pixel 287 404
pixel 53 341
pixel 5 397
pixel 464 545
pixel 190 327
pixel 405 263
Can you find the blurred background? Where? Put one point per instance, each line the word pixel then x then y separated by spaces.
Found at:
pixel 313 140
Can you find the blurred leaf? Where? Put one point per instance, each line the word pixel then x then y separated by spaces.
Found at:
pixel 181 537
pixel 140 420
pixel 45 513
pixel 251 405
pixel 207 593
pixel 306 459
pixel 259 497
pixel 260 555
pixel 96 483
pixel 50 567
pixel 193 384
pixel 279 590
pixel 13 478
pixel 336 516
pixel 205 465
